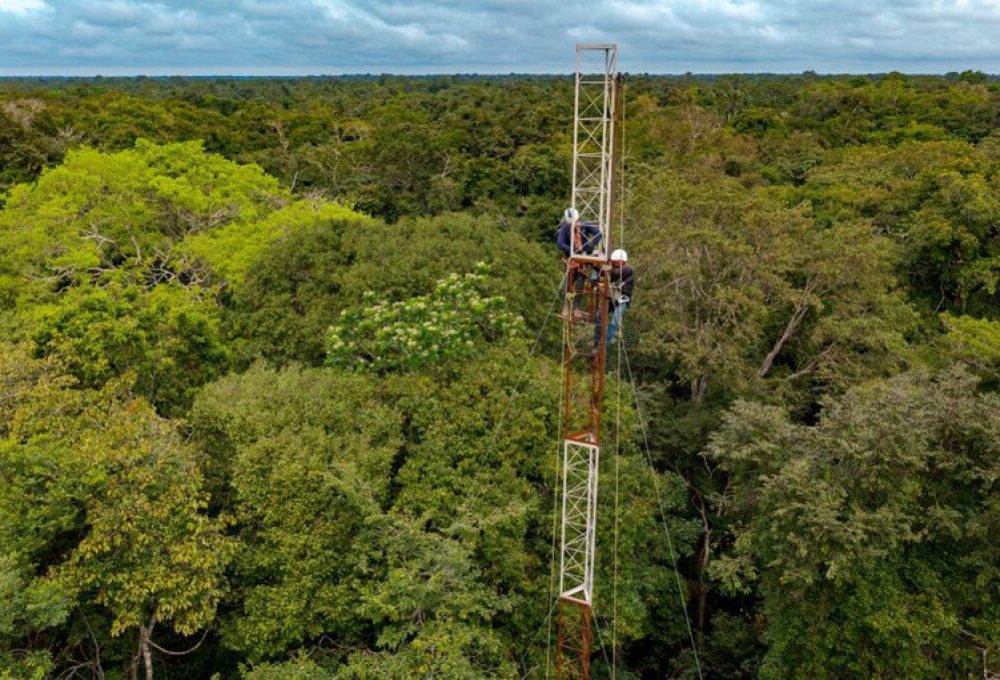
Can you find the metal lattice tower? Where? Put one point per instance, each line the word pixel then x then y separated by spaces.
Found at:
pixel 584 352
pixel 593 134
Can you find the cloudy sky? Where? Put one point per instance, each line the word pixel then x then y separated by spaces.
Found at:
pixel 85 37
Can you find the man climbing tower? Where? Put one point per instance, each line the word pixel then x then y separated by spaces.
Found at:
pixel 585 237
pixel 622 282
pixel 576 237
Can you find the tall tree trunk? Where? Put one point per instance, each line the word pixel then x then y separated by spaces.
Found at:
pixel 145 633
pixel 703 557
pixel 699 386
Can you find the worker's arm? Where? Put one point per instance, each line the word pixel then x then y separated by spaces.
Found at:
pixel 627 280
pixel 562 239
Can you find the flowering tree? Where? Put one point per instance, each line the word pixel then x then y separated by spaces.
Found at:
pixel 422 330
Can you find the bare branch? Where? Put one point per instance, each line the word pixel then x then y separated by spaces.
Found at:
pixel 186 651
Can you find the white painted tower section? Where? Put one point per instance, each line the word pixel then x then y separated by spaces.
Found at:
pixel 593 135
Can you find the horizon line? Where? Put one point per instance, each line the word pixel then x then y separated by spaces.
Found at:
pixel 496 74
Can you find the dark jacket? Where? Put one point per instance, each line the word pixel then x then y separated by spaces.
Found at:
pixel 623 277
pixel 589 232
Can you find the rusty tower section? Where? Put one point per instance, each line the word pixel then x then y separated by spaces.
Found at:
pixel 595 147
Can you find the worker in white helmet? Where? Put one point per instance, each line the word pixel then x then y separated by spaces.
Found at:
pixel 622 278
pixel 577 237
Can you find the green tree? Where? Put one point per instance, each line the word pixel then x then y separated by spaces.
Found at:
pixel 301 284
pixel 974 342
pixel 422 331
pixel 103 511
pixel 742 288
pixel 309 455
pixel 121 262
pixel 936 200
pixel 24 148
pixel 869 532
pixel 102 216
pixel 392 516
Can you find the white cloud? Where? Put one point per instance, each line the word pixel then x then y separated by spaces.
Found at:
pixel 739 9
pixel 21 6
pixel 345 36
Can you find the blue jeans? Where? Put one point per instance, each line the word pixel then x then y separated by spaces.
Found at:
pixel 617 314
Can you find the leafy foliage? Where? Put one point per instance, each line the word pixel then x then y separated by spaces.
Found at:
pixel 102 506
pixel 869 531
pixel 313 274
pixel 744 288
pixel 975 342
pixel 384 512
pixel 421 331
pixel 816 267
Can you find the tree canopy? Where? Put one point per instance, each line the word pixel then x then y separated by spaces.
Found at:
pixel 280 378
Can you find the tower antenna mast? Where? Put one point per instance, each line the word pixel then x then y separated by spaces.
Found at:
pixel 595 148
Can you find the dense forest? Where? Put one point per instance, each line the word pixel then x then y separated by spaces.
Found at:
pixel 280 378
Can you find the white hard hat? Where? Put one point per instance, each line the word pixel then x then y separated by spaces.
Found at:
pixel 571 215
pixel 619 256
